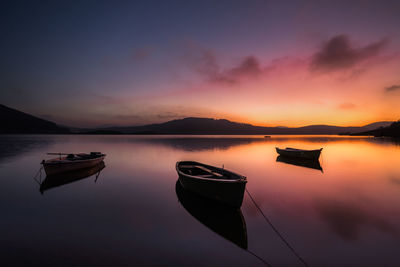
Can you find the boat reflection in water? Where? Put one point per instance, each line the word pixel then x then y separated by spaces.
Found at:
pixel 302 162
pixel 225 221
pixel 69 177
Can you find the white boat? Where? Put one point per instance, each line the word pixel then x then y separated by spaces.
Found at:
pixel 71 162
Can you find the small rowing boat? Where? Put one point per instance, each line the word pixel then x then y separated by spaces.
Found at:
pixel 71 162
pixel 215 183
pixel 64 178
pixel 299 153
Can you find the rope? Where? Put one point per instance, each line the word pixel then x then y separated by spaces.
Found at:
pixel 39 171
pixel 277 232
pixel 97 176
pixel 322 159
pixel 258 257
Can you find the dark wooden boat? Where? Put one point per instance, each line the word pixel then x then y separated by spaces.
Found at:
pixel 299 153
pixel 71 162
pixel 302 162
pixel 60 179
pixel 212 182
pixel 221 219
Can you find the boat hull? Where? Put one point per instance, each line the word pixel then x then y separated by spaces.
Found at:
pixel 52 168
pixel 229 193
pixel 60 179
pixel 305 154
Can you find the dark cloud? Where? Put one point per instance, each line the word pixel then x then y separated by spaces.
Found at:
pixel 392 88
pixel 207 65
pixel 395 180
pixel 339 53
pixel 250 66
pixel 347 106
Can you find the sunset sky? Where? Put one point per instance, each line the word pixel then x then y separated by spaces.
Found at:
pixel 272 63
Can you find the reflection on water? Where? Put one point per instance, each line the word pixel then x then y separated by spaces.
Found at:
pixel 60 179
pixel 385 140
pixel 132 217
pixel 15 145
pixel 348 219
pixel 308 163
pixel 395 180
pixel 203 144
pixel 227 222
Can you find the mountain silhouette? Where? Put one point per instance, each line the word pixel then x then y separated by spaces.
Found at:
pixel 211 126
pixel 393 130
pixel 17 122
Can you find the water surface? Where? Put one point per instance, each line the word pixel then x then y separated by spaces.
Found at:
pixel 344 212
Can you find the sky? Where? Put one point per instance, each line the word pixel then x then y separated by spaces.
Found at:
pixel 270 63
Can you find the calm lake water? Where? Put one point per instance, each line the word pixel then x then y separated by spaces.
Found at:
pixel 345 212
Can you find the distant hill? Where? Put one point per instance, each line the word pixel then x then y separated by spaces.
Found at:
pixel 16 122
pixel 393 130
pixel 222 126
pixel 376 125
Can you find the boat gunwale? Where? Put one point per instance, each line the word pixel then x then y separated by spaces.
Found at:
pixel 289 149
pixel 243 179
pixel 56 162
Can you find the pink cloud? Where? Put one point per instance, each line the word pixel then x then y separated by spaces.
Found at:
pixel 347 105
pixel 248 68
pixel 395 87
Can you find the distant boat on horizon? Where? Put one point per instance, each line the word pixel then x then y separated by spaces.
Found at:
pixel 299 153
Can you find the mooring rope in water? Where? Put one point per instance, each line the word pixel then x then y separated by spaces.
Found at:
pixel 277 232
pixel 97 176
pixel 322 160
pixel 258 257
pixel 37 173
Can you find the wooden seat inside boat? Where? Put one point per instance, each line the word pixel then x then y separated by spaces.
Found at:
pixel 201 171
pixel 80 156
